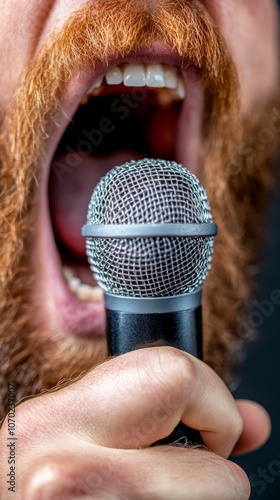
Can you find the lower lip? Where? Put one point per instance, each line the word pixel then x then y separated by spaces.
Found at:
pixel 65 311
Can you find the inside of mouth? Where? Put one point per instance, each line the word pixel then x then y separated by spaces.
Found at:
pixel 119 125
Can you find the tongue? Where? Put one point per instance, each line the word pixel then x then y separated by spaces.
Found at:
pixel 70 189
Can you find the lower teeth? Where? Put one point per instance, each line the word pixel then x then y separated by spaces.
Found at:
pixel 83 292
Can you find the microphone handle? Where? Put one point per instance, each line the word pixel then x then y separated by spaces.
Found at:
pixel 182 329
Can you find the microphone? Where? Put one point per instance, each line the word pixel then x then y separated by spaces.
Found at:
pixel 149 242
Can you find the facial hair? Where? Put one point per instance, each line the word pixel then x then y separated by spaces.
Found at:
pixel 36 359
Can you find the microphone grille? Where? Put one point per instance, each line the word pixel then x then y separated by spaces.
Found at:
pixel 149 191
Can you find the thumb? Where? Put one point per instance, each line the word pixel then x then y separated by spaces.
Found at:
pixel 256 429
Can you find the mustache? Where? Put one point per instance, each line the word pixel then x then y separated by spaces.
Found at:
pixel 99 31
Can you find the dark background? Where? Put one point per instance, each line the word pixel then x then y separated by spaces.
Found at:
pixel 260 372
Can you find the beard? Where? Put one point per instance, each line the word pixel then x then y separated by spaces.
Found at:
pixel 236 158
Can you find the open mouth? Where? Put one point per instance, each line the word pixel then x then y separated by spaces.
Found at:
pixel 137 108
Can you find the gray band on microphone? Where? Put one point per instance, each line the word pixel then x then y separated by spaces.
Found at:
pixel 149 230
pixel 153 305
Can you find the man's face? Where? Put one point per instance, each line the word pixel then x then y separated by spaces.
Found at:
pixel 193 81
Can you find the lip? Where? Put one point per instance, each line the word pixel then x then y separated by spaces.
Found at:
pixel 64 311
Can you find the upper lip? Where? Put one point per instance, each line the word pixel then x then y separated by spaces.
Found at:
pixel 79 318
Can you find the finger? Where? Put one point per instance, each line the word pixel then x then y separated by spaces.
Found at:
pixel 257 427
pixel 163 473
pixel 136 399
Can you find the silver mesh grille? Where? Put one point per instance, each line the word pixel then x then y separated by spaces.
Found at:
pixel 149 191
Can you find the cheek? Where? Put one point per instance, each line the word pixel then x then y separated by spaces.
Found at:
pixel 21 24
pixel 250 29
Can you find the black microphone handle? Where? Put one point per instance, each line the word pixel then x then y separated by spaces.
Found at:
pixel 182 329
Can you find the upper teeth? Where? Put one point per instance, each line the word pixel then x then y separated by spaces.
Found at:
pixel 141 75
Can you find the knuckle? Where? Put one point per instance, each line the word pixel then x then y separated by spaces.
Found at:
pixel 42 483
pixel 65 478
pixel 171 370
pixel 157 366
pixel 235 426
pixel 165 374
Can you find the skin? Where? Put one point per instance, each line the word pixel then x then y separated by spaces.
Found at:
pixel 160 386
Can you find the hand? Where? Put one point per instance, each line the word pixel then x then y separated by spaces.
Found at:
pixel 91 440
